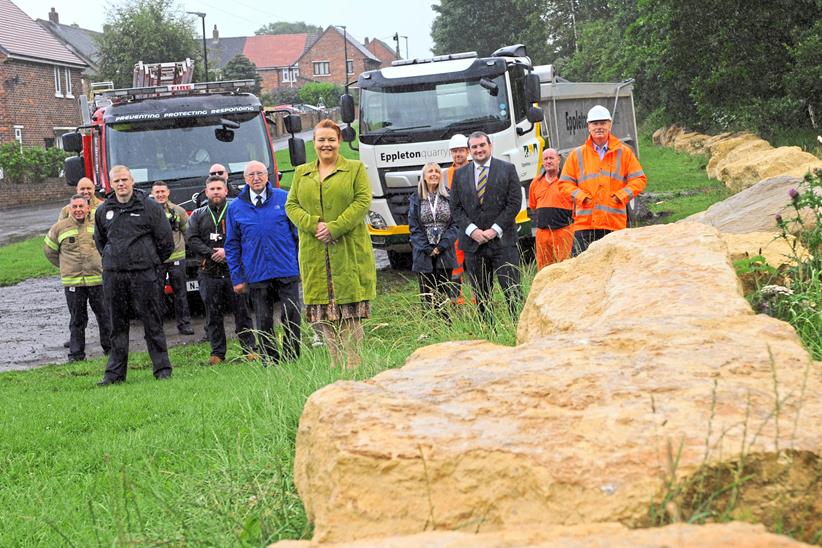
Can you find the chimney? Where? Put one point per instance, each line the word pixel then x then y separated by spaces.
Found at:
pixel 215 34
pixel 365 42
pixel 54 17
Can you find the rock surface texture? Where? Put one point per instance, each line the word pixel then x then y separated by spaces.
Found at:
pixel 604 535
pixel 753 209
pixel 637 354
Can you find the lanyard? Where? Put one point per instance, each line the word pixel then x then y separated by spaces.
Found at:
pixel 218 219
pixel 434 206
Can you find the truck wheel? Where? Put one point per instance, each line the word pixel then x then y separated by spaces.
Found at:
pixel 399 260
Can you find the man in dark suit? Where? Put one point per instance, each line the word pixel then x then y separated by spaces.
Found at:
pixel 486 196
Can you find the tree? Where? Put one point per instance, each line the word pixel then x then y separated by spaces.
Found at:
pixel 313 92
pixel 461 26
pixel 241 68
pixel 151 31
pixel 285 27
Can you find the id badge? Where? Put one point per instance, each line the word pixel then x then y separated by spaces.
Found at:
pixel 214 236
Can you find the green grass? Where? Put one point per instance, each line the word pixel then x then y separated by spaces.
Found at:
pixel 203 459
pixel 677 183
pixel 23 260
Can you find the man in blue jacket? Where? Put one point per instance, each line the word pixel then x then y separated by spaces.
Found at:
pixel 261 251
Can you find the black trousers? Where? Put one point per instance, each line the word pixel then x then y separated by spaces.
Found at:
pixel 489 259
pixel 77 298
pixel 263 297
pixel 176 271
pixel 134 290
pixel 584 238
pixel 220 299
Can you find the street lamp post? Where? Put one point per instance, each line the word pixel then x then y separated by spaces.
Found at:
pixel 202 15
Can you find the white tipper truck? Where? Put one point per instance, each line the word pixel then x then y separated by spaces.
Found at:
pixel 410 110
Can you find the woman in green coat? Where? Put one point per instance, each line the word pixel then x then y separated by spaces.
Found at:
pixel 328 203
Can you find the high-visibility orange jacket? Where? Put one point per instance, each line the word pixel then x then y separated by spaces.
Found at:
pixel 610 184
pixel 551 208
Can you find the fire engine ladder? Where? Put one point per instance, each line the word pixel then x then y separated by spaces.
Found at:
pixel 161 74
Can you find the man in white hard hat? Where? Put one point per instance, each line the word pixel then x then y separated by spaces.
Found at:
pixel 601 177
pixel 458 149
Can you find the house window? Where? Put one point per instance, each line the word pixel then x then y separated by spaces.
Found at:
pixel 349 66
pixel 58 90
pixel 67 72
pixel 18 135
pixel 322 68
pixel 286 75
pixel 48 142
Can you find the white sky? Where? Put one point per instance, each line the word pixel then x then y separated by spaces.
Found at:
pixel 371 18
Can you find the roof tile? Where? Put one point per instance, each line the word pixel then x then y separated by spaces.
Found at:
pixel 20 36
pixel 278 50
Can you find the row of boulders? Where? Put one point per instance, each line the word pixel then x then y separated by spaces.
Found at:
pixel 739 160
pixel 639 365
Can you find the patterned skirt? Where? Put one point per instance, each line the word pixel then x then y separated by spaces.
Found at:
pixel 332 311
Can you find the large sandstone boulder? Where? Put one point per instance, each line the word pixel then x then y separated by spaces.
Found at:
pixel 753 209
pixel 751 165
pixel 690 142
pixel 600 535
pixel 746 147
pixel 637 361
pixel 776 251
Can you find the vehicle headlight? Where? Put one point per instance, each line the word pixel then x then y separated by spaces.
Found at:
pixel 376 220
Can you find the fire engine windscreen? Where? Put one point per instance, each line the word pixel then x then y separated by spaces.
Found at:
pixel 181 148
pixel 431 109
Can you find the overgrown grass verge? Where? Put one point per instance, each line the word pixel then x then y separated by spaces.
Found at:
pixel 23 260
pixel 677 183
pixel 793 292
pixel 203 459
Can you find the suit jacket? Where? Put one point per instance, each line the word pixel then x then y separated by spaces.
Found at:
pixel 503 200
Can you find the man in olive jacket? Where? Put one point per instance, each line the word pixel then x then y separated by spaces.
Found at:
pixel 69 246
pixel 134 238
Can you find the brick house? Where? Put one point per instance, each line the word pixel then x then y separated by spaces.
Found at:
pixel 39 81
pixel 381 51
pixel 292 60
pixel 275 56
pixel 81 42
pixel 324 60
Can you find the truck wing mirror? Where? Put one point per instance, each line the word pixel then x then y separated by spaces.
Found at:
pixel 72 142
pixel 296 151
pixel 74 169
pixel 534 115
pixel 349 134
pixel 490 85
pixel 347 108
pixel 293 124
pixel 532 92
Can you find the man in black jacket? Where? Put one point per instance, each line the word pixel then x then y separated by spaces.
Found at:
pixel 134 238
pixel 486 196
pixel 206 237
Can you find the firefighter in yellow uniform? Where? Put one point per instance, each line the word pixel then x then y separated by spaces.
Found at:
pixel 70 246
pixel 175 266
pixel 85 187
pixel 601 177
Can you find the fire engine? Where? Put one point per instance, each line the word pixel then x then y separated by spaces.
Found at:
pixel 167 128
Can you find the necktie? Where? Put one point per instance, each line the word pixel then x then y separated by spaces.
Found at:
pixel 259 201
pixel 483 179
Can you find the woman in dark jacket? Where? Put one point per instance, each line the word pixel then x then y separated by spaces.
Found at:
pixel 433 232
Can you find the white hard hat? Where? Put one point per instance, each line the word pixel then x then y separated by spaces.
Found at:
pixel 597 113
pixel 458 141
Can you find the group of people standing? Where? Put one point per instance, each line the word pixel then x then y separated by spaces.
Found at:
pixel 267 244
pixel 468 216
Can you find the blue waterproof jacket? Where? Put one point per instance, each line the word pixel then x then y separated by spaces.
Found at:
pixel 261 242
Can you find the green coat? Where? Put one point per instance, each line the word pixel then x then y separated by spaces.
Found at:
pixel 346 197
